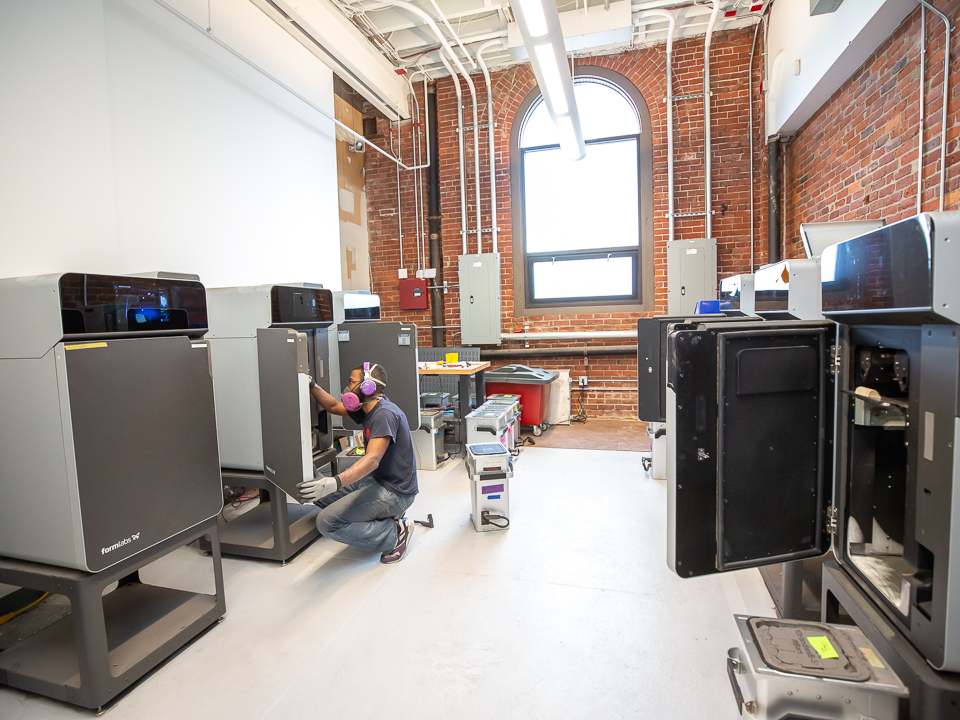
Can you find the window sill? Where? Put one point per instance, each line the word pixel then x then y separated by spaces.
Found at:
pixel 627 307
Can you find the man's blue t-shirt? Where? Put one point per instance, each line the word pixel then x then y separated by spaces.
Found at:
pixel 398 467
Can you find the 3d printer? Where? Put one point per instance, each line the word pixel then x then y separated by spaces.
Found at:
pixel 792 437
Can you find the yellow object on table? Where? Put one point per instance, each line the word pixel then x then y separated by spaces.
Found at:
pixel 452 357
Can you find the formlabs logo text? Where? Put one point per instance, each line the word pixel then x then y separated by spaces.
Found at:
pixel 117 546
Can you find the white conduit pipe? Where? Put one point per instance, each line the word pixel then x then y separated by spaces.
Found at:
pixel 463 179
pixel 399 204
pixel 423 210
pixel 425 127
pixel 923 76
pixel 250 63
pixel 417 184
pixel 476 158
pixel 403 5
pixel 946 96
pixel 672 19
pixel 708 188
pixel 490 135
pixel 573 335
pixel 443 19
pixel 753 48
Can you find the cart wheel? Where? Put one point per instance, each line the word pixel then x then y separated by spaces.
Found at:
pixel 537 430
pixel 647 463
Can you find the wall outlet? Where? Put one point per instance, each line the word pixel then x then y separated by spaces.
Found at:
pixel 583 381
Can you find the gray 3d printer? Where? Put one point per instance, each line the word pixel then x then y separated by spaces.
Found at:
pixel 266 342
pixel 109 433
pixel 109 448
pixel 795 437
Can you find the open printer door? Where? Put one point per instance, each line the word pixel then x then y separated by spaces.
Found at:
pixel 285 407
pixel 752 482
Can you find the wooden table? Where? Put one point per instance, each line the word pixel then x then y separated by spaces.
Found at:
pixel 465 370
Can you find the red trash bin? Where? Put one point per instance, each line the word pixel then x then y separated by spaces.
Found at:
pixel 531 384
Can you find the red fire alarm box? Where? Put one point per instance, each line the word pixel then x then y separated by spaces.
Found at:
pixel 413 294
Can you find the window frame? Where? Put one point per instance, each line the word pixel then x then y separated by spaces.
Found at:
pixel 642 299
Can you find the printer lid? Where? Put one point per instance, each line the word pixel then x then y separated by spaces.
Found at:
pixel 818 236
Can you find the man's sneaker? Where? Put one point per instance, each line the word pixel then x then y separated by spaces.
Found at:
pixel 404 537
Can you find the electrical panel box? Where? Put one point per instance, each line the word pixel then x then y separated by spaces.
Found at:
pixel 480 299
pixel 691 274
pixel 413 294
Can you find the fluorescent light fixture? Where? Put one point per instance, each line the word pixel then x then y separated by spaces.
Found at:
pixel 568 138
pixel 533 16
pixel 553 92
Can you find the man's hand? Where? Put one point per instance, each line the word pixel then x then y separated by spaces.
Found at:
pixel 320 486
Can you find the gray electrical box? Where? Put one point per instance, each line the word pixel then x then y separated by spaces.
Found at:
pixel 691 274
pixel 480 299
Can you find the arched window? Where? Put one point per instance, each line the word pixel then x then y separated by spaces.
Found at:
pixel 581 236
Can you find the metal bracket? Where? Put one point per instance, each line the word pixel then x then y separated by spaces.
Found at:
pixel 698 213
pixel 483 230
pixel 832 520
pixel 686 97
pixel 479 127
pixel 834 360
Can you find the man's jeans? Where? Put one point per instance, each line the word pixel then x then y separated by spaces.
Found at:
pixel 363 515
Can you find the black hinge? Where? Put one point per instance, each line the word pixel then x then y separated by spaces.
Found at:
pixel 832 520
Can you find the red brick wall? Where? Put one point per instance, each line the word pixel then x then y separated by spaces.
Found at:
pixel 857 156
pixel 646 69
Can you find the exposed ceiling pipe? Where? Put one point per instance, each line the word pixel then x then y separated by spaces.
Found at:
pixel 399 203
pixel 418 177
pixel 476 159
pixel 708 170
pixel 946 96
pixel 753 47
pixel 250 63
pixel 491 136
pixel 560 352
pixel 409 7
pixel 570 335
pixel 672 19
pixel 463 179
pixel 443 19
pixel 923 98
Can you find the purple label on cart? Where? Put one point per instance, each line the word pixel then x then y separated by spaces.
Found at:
pixel 491 489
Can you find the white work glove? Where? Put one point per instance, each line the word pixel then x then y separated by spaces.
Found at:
pixel 320 486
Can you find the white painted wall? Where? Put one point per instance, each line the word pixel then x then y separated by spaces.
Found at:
pixel 130 142
pixel 829 48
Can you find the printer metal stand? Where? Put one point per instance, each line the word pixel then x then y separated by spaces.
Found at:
pixel 933 695
pixel 108 642
pixel 275 529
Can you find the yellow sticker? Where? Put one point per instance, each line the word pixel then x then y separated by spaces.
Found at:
pixel 84 346
pixel 360 451
pixel 822 645
pixel 871 657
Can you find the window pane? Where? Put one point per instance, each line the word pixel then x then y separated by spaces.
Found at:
pixel 604 112
pixel 598 277
pixel 593 203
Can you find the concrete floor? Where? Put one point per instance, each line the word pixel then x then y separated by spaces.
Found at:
pixel 571 613
pixel 596 434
